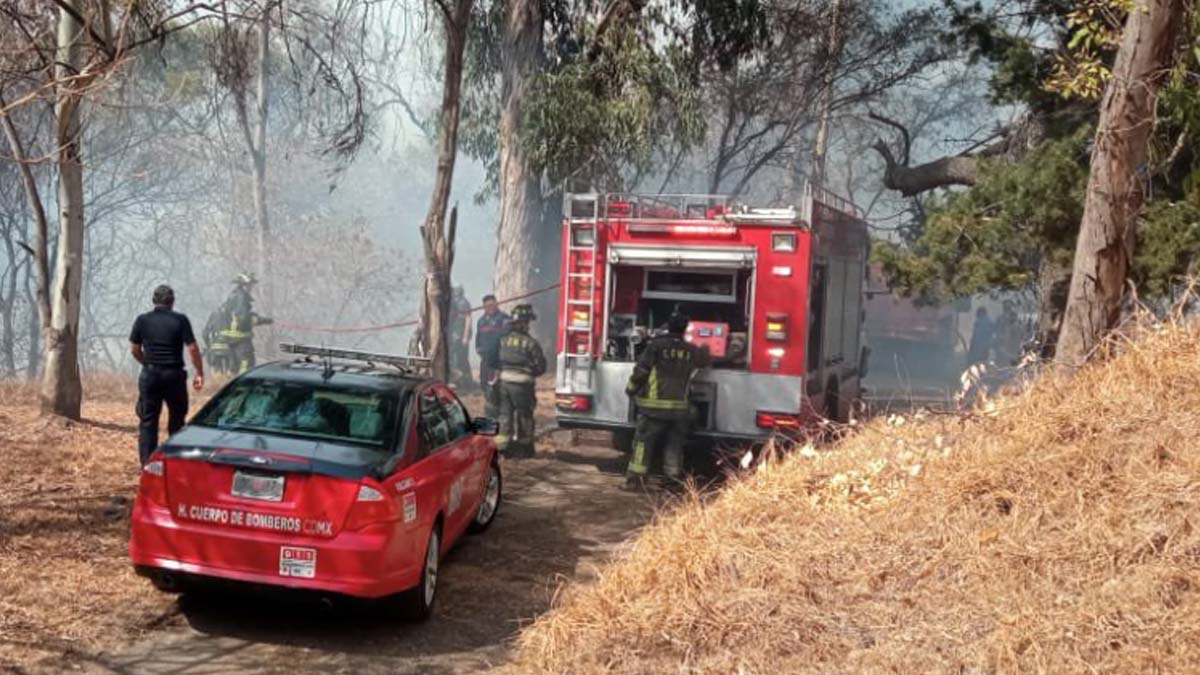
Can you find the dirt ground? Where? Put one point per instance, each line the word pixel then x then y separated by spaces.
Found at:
pixel 70 602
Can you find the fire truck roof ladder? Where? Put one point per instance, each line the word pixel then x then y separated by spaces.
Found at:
pixel 583 219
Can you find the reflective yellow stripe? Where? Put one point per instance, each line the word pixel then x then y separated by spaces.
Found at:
pixel 638 463
pixel 652 385
pixel 514 377
pixel 661 404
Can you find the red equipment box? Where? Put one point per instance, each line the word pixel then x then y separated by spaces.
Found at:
pixel 707 333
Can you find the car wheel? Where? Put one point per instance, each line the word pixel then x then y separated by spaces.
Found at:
pixel 169 583
pixel 489 505
pixel 418 602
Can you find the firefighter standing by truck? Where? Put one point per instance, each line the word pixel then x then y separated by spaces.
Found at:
pixel 659 385
pixel 519 362
pixel 241 319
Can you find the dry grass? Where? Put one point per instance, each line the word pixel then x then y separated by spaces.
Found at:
pixel 1051 534
pixel 66 584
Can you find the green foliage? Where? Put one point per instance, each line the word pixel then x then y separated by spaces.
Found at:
pixel 608 118
pixel 1168 244
pixel 612 114
pixel 994 235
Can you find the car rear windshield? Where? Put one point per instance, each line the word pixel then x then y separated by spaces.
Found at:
pixel 302 409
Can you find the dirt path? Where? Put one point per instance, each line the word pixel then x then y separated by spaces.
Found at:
pixel 562 514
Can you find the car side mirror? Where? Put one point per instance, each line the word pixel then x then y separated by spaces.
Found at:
pixel 485 426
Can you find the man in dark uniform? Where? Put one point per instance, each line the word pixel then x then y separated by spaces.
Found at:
pixel 239 334
pixel 491 327
pixel 157 341
pixel 520 361
pixel 659 385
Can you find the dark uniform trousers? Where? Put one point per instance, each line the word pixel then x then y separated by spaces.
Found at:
pixel 158 385
pixel 241 352
pixel 517 401
pixel 654 434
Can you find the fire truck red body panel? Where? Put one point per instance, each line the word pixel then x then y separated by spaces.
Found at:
pixel 784 285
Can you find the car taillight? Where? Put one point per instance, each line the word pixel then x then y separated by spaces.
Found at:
pixel 153 484
pixel 777 327
pixel 370 507
pixel 574 403
pixel 772 420
pixel 366 493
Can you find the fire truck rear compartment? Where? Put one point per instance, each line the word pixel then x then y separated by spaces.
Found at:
pixel 717 302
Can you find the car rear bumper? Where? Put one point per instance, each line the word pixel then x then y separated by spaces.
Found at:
pixel 366 564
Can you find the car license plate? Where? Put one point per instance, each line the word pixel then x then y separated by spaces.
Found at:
pixel 295 561
pixel 257 486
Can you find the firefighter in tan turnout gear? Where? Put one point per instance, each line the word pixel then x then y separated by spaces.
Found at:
pixel 519 362
pixel 659 386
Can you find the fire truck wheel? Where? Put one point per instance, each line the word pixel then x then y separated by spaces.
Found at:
pixel 622 439
pixel 833 402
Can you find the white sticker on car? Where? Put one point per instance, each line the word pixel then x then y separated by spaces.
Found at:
pixel 455 494
pixel 410 507
pixel 295 561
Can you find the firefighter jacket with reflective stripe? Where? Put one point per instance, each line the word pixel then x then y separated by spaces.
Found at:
pixel 520 356
pixel 662 374
pixel 239 314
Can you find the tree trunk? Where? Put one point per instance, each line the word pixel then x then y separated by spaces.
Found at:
pixel 34 354
pixel 1054 282
pixel 1114 195
pixel 941 172
pixel 62 392
pixel 259 150
pixel 439 245
pixel 821 143
pixel 8 304
pixel 524 245
pixel 41 255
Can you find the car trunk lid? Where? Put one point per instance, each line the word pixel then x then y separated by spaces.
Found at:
pixel 268 483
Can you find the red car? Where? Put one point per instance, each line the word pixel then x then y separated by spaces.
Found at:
pixel 345 477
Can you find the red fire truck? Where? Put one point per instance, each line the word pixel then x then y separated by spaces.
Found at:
pixel 776 294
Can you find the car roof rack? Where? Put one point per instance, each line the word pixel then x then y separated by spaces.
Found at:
pixel 409 365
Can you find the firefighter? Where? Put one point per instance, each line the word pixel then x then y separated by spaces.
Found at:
pixel 659 385
pixel 241 317
pixel 519 362
pixel 216 349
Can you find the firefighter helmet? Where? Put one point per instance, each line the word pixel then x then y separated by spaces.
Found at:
pixel 677 324
pixel 523 313
pixel 245 279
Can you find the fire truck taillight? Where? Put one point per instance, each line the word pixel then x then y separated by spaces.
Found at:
pixel 777 327
pixel 771 420
pixel 574 402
